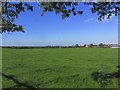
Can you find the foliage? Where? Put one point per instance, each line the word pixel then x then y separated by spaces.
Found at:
pixel 103 9
pixel 61 7
pixel 10 11
pixel 84 45
pixel 101 44
pixel 91 45
pixel 76 45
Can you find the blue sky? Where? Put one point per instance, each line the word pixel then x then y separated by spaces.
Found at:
pixel 51 29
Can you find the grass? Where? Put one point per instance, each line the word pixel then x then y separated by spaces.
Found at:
pixel 58 67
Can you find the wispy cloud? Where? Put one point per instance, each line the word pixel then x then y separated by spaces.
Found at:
pixel 89 20
pixel 105 20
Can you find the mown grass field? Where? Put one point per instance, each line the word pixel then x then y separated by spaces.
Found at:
pixel 58 67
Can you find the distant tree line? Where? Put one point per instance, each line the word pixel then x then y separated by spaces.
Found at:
pixel 101 45
pixel 29 47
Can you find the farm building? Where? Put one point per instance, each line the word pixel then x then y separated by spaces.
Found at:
pixel 114 46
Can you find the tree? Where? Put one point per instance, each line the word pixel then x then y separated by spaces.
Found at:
pixel 103 9
pixel 91 45
pixel 101 45
pixel 76 45
pixel 10 11
pixel 84 45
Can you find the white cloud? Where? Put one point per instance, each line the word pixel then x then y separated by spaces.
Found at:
pixel 105 20
pixel 89 20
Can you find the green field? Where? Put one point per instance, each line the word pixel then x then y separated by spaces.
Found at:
pixel 58 67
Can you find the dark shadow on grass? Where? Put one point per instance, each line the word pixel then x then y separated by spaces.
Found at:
pixel 105 79
pixel 18 83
